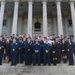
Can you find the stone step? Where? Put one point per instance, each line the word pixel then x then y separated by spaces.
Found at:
pixel 21 69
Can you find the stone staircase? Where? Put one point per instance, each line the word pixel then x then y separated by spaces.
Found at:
pixel 21 69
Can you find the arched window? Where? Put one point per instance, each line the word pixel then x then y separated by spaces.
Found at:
pixel 37 26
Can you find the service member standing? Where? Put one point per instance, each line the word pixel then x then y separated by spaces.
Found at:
pixel 20 50
pixel 70 47
pixel 36 49
pixel 14 51
pixel 28 48
pixel 46 56
pixel 41 50
pixel 1 50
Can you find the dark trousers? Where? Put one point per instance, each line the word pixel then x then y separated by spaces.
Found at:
pixel 1 59
pixel 46 58
pixel 59 56
pixel 20 56
pixel 36 58
pixel 1 55
pixel 28 58
pixel 13 57
pixel 71 60
pixel 41 55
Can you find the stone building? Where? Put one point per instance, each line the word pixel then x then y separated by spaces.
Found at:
pixel 37 17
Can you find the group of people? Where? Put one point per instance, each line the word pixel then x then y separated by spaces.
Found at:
pixel 36 50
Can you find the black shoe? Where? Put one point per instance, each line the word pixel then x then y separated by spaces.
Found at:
pixel 49 64
pixel 70 64
pixel 14 64
pixel 29 64
pixel 0 64
pixel 26 64
pixel 34 64
pixel 11 65
pixel 54 64
pixel 39 64
pixel 44 64
pixel 21 62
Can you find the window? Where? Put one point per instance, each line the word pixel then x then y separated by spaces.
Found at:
pixel 37 26
pixel 4 22
pixel 70 23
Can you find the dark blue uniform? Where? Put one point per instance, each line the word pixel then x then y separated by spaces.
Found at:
pixel 14 51
pixel 70 47
pixel 1 51
pixel 24 49
pixel 46 55
pixel 28 51
pixel 41 50
pixel 36 48
pixel 20 51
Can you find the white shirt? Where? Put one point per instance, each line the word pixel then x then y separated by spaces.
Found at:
pixel 50 42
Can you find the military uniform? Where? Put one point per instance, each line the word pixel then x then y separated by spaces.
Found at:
pixel 20 51
pixel 70 47
pixel 1 51
pixel 28 52
pixel 41 50
pixel 36 54
pixel 14 51
pixel 46 56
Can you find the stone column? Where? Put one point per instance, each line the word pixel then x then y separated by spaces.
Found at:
pixel 9 25
pixel 15 17
pixel 66 32
pixel 45 29
pixel 2 15
pixel 19 25
pixel 30 12
pixel 73 15
pixel 59 18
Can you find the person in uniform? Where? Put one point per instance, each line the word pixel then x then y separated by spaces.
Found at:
pixel 54 53
pixel 14 51
pixel 70 48
pixel 1 50
pixel 28 48
pixel 24 48
pixel 46 56
pixel 36 49
pixel 41 50
pixel 20 50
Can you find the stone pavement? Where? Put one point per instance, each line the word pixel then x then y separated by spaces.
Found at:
pixel 21 69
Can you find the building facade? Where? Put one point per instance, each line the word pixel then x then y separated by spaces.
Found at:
pixel 37 17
